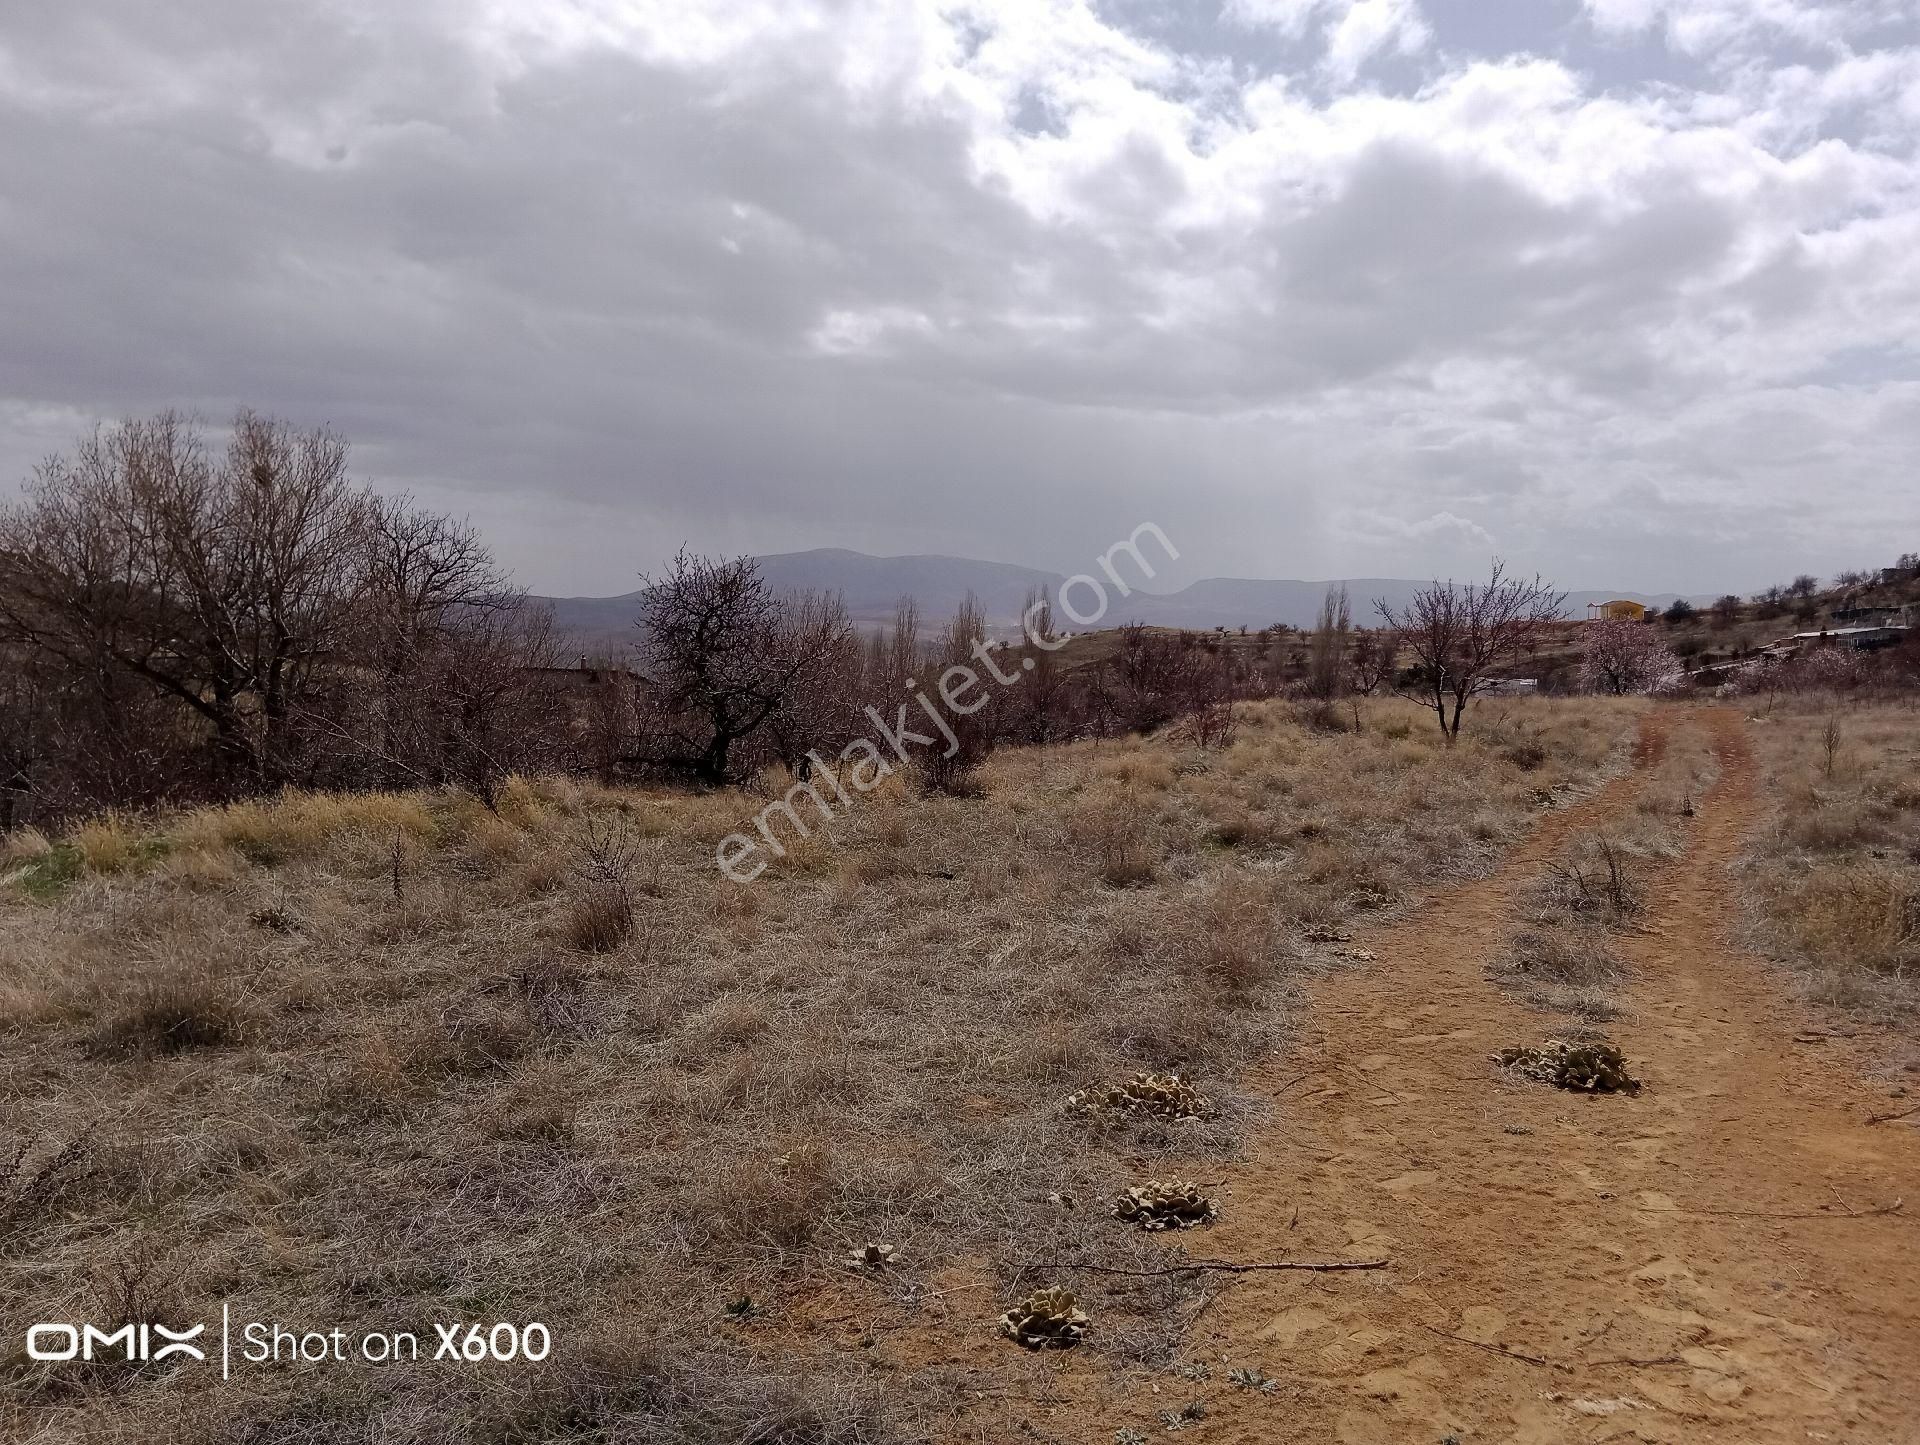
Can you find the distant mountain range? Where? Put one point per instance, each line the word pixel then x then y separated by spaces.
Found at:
pixel 872 586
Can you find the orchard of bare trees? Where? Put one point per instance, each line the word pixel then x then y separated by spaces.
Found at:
pixel 183 621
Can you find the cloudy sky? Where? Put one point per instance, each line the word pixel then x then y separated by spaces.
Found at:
pixel 1624 290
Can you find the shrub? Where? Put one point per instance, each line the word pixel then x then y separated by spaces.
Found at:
pixel 600 917
pixel 174 1014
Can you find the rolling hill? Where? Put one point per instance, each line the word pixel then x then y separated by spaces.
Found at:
pixel 871 586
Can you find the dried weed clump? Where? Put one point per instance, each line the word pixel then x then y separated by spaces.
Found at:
pixel 1164 1096
pixel 1164 1204
pixel 173 1014
pixel 1047 1319
pixel 382 1059
pixel 1590 1066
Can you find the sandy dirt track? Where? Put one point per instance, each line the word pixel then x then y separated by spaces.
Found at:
pixel 1677 1266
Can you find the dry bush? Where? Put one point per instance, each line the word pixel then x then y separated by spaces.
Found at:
pixel 1231 934
pixel 600 917
pixel 1863 915
pixel 601 914
pixel 23 845
pixel 628 1385
pixel 1594 879
pixel 1565 968
pixel 1117 832
pixel 300 825
pixel 475 1036
pixel 202 870
pixel 1233 824
pixel 173 1014
pixel 1573 957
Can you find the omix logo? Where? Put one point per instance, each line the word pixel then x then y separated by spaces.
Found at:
pixel 136 1343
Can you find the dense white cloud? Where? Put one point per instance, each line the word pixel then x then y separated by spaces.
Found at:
pixel 1704 27
pixel 1332 287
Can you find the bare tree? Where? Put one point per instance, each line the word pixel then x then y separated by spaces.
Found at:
pixel 219 583
pixel 431 582
pixel 904 654
pixel 26 726
pixel 1369 665
pixel 1043 707
pixel 490 716
pixel 951 769
pixel 202 622
pixel 1327 652
pixel 1154 677
pixel 1462 634
pixel 819 712
pixel 726 656
pixel 1370 662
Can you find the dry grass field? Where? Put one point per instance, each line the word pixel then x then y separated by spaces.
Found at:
pixel 1835 878
pixel 382 1061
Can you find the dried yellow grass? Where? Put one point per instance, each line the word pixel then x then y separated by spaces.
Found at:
pixel 369 1101
pixel 108 843
pixel 24 845
pixel 1833 880
pixel 300 825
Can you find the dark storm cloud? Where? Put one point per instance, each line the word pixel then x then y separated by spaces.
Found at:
pixel 1322 286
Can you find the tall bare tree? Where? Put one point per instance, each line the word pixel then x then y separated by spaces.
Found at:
pixel 1044 706
pixel 951 768
pixel 1327 651
pixel 1462 634
pixel 432 587
pixel 819 711
pixel 220 583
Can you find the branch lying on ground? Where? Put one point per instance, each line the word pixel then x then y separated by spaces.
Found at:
pixel 1897 1114
pixel 1893 1208
pixel 1551 1364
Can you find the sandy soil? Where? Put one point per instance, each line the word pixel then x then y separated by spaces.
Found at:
pixel 1695 1263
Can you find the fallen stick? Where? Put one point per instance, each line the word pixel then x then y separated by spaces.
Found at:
pixel 1568 1365
pixel 1490 1349
pixel 1627 1360
pixel 1203 1266
pixel 1893 1208
pixel 1889 1118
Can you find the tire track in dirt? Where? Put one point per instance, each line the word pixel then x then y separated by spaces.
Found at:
pixel 1583 1233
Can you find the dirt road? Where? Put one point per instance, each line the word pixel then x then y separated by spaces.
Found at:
pixel 1677 1266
